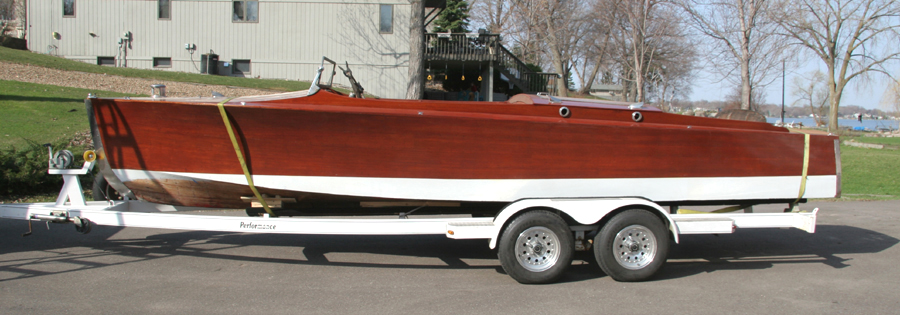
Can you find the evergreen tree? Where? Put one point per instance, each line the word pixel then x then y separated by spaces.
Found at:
pixel 454 18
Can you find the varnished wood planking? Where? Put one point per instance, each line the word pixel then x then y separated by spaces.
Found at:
pixel 483 142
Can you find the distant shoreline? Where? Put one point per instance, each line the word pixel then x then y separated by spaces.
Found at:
pixel 869 124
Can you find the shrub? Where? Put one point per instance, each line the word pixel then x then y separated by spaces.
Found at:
pixel 23 171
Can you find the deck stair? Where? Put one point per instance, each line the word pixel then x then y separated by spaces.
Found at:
pixel 487 48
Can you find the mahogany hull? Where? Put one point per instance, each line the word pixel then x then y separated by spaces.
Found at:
pixel 328 148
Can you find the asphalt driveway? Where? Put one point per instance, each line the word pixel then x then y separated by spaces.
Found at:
pixel 847 266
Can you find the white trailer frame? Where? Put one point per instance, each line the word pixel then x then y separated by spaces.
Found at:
pixel 582 215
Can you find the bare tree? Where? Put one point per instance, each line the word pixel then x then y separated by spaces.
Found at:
pixel 743 37
pixel 642 30
pixel 675 65
pixel 852 37
pixel 733 99
pixel 559 23
pixel 891 99
pixel 415 89
pixel 637 23
pixel 8 9
pixel 7 14
pixel 614 41
pixel 20 11
pixel 494 15
pixel 524 35
pixel 596 46
pixel 670 76
pixel 812 92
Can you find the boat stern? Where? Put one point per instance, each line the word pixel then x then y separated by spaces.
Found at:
pixel 837 163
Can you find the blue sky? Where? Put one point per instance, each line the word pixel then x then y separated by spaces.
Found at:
pixel 867 94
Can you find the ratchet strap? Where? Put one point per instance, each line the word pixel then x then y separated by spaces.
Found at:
pixel 240 156
pixel 723 210
pixel 805 170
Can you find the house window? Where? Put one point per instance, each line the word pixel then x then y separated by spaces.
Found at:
pixel 162 62
pixel 240 66
pixel 245 11
pixel 69 8
pixel 106 61
pixel 164 9
pixel 386 19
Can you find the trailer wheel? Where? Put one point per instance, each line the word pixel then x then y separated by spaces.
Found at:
pixel 632 246
pixel 102 190
pixel 536 247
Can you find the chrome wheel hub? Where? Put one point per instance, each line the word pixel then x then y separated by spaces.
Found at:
pixel 537 249
pixel 634 247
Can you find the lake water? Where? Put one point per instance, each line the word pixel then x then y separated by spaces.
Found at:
pixel 869 124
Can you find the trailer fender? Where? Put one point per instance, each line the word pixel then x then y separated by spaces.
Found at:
pixel 586 211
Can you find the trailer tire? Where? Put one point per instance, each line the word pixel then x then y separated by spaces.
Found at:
pixel 102 190
pixel 632 246
pixel 536 247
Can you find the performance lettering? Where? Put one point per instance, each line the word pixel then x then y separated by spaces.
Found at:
pixel 254 226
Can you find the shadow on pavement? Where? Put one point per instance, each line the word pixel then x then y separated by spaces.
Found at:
pixel 764 248
pixel 745 249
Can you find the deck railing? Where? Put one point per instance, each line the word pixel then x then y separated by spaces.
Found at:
pixel 530 81
pixel 461 47
pixel 488 48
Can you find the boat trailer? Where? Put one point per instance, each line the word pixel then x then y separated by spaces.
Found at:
pixel 535 238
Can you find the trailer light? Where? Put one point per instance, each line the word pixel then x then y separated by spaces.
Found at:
pixel 449 232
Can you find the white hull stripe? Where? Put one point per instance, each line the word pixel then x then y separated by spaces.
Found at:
pixel 508 190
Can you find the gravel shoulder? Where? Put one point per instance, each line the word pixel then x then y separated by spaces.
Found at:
pixel 76 79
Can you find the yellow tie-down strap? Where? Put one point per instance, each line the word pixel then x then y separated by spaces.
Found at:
pixel 240 156
pixel 803 175
pixel 805 167
pixel 723 210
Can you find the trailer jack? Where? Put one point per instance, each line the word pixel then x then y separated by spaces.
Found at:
pixel 82 225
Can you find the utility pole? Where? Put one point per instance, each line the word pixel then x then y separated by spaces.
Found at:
pixel 782 92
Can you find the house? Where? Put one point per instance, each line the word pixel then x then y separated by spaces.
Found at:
pixel 282 39
pixel 608 91
pixel 273 39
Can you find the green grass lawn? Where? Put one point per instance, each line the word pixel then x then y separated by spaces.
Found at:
pixel 42 113
pixel 30 58
pixel 871 173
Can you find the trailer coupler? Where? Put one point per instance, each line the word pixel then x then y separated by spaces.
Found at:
pixel 82 225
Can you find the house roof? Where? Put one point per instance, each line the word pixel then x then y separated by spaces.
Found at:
pixel 605 87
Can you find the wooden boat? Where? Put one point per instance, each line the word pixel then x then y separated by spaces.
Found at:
pixel 326 150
